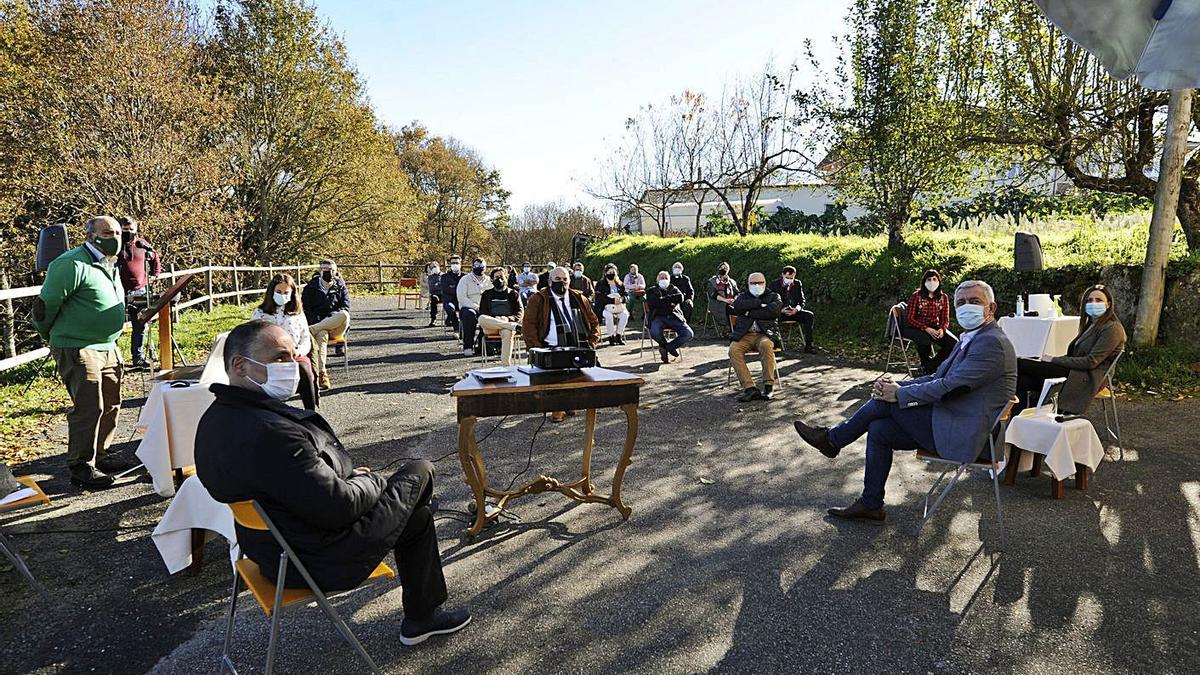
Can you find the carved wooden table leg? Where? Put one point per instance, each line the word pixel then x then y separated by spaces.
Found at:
pixel 473 472
pixel 631 429
pixel 589 442
pixel 1081 477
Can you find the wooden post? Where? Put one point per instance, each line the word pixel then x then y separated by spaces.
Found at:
pixel 1162 223
pixel 237 285
pixel 208 285
pixel 299 283
pixel 8 329
pixel 380 276
pixel 166 357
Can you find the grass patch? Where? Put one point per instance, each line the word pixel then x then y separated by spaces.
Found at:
pixel 33 401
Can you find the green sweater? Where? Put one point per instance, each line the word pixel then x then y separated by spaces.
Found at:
pixel 84 303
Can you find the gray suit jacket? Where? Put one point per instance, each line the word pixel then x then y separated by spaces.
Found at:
pixel 1088 357
pixel 967 392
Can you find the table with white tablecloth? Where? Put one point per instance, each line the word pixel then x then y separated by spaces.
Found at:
pixel 168 424
pixel 1069 448
pixel 192 512
pixel 1033 336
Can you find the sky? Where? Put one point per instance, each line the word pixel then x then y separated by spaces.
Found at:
pixel 541 89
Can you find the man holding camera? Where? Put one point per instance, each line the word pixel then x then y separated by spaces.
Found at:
pixel 138 265
pixel 80 312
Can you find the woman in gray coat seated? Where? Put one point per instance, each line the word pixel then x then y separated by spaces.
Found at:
pixel 1101 338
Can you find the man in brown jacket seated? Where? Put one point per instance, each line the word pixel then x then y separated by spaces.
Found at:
pixel 550 319
pixel 340 520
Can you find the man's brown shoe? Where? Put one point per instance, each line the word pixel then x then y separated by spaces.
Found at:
pixel 818 437
pixel 857 511
pixel 323 381
pixel 558 416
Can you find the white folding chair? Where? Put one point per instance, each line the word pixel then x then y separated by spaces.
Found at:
pixel 897 343
pixel 9 549
pixel 993 462
pixel 1107 395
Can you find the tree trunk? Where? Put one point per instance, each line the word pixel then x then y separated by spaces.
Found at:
pixel 1189 212
pixel 7 325
pixel 895 232
pixel 1162 224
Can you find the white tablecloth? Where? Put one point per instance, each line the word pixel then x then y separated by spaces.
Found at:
pixel 193 508
pixel 1033 336
pixel 1064 444
pixel 168 425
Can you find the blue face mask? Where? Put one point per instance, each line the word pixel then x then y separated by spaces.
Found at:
pixel 969 317
pixel 1095 309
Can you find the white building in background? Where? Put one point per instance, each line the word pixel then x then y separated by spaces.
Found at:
pixel 812 198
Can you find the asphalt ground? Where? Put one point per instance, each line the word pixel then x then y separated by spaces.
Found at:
pixel 728 563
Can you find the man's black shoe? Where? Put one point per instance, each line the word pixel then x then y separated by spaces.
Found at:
pixel 612 340
pixel 857 511
pixel 750 394
pixel 339 350
pixel 662 354
pixel 818 437
pixel 141 364
pixel 767 392
pixel 809 349
pixel 116 462
pixel 88 478
pixel 620 339
pixel 674 353
pixel 431 324
pixel 442 622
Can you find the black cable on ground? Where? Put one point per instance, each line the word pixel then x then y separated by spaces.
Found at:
pixel 396 461
pixel 529 461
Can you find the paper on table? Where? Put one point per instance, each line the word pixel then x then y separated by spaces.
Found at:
pixel 23 493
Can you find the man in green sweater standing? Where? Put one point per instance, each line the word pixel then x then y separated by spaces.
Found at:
pixel 80 313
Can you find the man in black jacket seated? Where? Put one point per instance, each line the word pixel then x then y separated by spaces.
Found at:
pixel 450 291
pixel 792 291
pixel 684 283
pixel 341 521
pixel 755 311
pixel 663 302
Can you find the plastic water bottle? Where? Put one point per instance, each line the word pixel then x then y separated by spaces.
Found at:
pixel 1020 305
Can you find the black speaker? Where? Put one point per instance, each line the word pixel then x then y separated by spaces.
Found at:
pixel 52 242
pixel 1027 253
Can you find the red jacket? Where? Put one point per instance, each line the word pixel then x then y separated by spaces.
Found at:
pixel 925 312
pixel 131 264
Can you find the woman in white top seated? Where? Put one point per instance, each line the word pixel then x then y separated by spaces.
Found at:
pixel 281 306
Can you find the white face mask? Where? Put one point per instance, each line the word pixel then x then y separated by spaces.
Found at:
pixel 282 299
pixel 787 281
pixel 932 285
pixel 578 274
pixel 454 267
pixel 664 283
pixel 757 289
pixel 283 379
pixel 970 317
pixel 677 271
pixel 434 270
pixel 526 268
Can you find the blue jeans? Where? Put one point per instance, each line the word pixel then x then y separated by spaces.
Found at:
pixel 683 332
pixel 888 428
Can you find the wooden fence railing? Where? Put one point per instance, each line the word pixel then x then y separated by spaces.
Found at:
pixel 355 274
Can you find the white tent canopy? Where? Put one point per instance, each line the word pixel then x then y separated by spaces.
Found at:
pixel 1128 39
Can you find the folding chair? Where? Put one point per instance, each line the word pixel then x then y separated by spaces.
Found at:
pixel 776 349
pixel 1107 394
pixel 273 597
pixel 343 341
pixel 668 333
pixel 409 291
pixel 994 463
pixel 10 549
pixel 897 343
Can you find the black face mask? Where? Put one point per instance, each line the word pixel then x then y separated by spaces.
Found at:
pixel 497 283
pixel 610 275
pixel 327 276
pixel 559 287
pixel 723 272
pixel 478 270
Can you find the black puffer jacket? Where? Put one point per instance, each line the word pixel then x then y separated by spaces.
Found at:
pixel 249 446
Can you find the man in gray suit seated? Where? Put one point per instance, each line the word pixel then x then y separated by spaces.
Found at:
pixel 950 412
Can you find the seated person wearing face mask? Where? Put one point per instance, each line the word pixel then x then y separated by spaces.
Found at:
pixel 527 280
pixel 950 412
pixel 927 322
pixel 684 283
pixel 581 282
pixel 662 303
pixel 558 316
pixel 470 292
pixel 792 291
pixel 610 303
pixel 340 520
pixel 1089 356
pixel 433 285
pixel 327 308
pixel 755 312
pixel 500 311
pixel 281 306
pixel 720 289
pixel 449 282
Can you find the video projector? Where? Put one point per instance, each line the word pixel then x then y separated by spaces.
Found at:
pixel 562 358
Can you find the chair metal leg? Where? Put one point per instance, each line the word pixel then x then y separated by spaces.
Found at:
pixel 1116 422
pixel 226 657
pixel 945 491
pixel 999 512
pixel 10 552
pixel 342 628
pixel 276 613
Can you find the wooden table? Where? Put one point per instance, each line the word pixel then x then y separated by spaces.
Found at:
pixel 587 389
